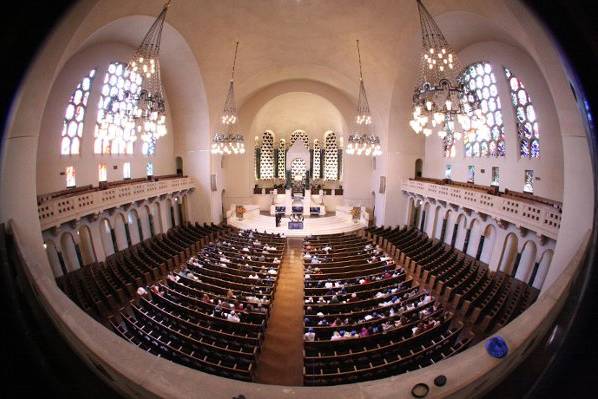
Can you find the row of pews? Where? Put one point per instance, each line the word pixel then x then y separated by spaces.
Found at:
pixel 102 288
pixel 365 318
pixel 210 314
pixel 485 299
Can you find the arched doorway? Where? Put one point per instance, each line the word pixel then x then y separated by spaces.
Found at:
pixel 509 254
pixel 88 254
pixel 70 252
pixel 179 166
pixel 419 165
pixel 525 266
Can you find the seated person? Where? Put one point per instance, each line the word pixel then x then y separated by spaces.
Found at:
pixel 310 335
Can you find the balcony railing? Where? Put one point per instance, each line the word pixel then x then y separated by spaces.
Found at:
pixel 55 211
pixel 535 216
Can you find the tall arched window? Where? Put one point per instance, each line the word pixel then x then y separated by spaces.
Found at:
pixel 267 156
pixel 330 156
pixel 479 77
pixel 282 158
pixel 74 116
pixel 316 160
pixel 525 117
pixel 115 131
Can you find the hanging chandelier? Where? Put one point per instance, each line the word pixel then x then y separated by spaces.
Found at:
pixel 442 103
pixel 229 142
pixel 363 142
pixel 147 106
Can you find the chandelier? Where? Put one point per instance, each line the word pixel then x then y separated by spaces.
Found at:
pixel 229 142
pixel 363 142
pixel 146 107
pixel 441 101
pixel 138 104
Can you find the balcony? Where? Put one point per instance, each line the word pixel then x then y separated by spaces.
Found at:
pixel 536 216
pixel 53 211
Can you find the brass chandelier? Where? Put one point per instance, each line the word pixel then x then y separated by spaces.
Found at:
pixel 363 141
pixel 229 142
pixel 442 103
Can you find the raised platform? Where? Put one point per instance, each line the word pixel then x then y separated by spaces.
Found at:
pixel 312 225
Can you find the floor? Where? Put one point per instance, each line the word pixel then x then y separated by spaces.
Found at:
pixel 281 359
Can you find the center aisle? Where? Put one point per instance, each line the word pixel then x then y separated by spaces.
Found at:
pixel 281 360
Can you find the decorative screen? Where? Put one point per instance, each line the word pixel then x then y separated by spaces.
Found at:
pixel 330 156
pixel 282 159
pixel 316 160
pixel 528 185
pixel 267 156
pixel 298 169
pixel 299 135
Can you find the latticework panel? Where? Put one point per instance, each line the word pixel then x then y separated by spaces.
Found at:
pixel 330 157
pixel 316 160
pixel 267 156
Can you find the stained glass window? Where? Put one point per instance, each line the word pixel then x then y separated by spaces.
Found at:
pixel 149 168
pixel 70 176
pixel 316 159
pixel 447 172
pixel 528 184
pixel 102 172
pixel 115 131
pixel 480 79
pixel 495 176
pixel 267 156
pixel 526 119
pixel 330 156
pixel 471 174
pixel 127 170
pixel 74 116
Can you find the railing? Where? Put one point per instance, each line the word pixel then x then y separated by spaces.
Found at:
pixel 56 211
pixel 534 216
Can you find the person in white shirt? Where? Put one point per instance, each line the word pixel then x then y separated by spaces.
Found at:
pixel 310 335
pixel 141 291
pixel 276 260
pixel 328 284
pixel 232 316
pixel 272 271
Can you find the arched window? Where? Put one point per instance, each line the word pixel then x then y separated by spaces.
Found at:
pixel 479 77
pixel 115 131
pixel 299 135
pixel 70 176
pixel 525 117
pixel 316 160
pixel 102 172
pixel 74 116
pixel 267 156
pixel 330 156
pixel 282 158
pixel 298 169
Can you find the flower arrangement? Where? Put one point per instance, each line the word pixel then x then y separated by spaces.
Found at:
pixel 356 213
pixel 240 211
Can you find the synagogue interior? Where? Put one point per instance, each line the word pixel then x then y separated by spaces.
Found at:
pixel 297 199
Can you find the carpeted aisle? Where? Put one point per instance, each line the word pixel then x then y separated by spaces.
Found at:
pixel 281 360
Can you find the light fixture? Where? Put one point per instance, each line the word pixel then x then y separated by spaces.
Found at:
pixel 229 143
pixel 441 99
pixel 144 104
pixel 363 141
